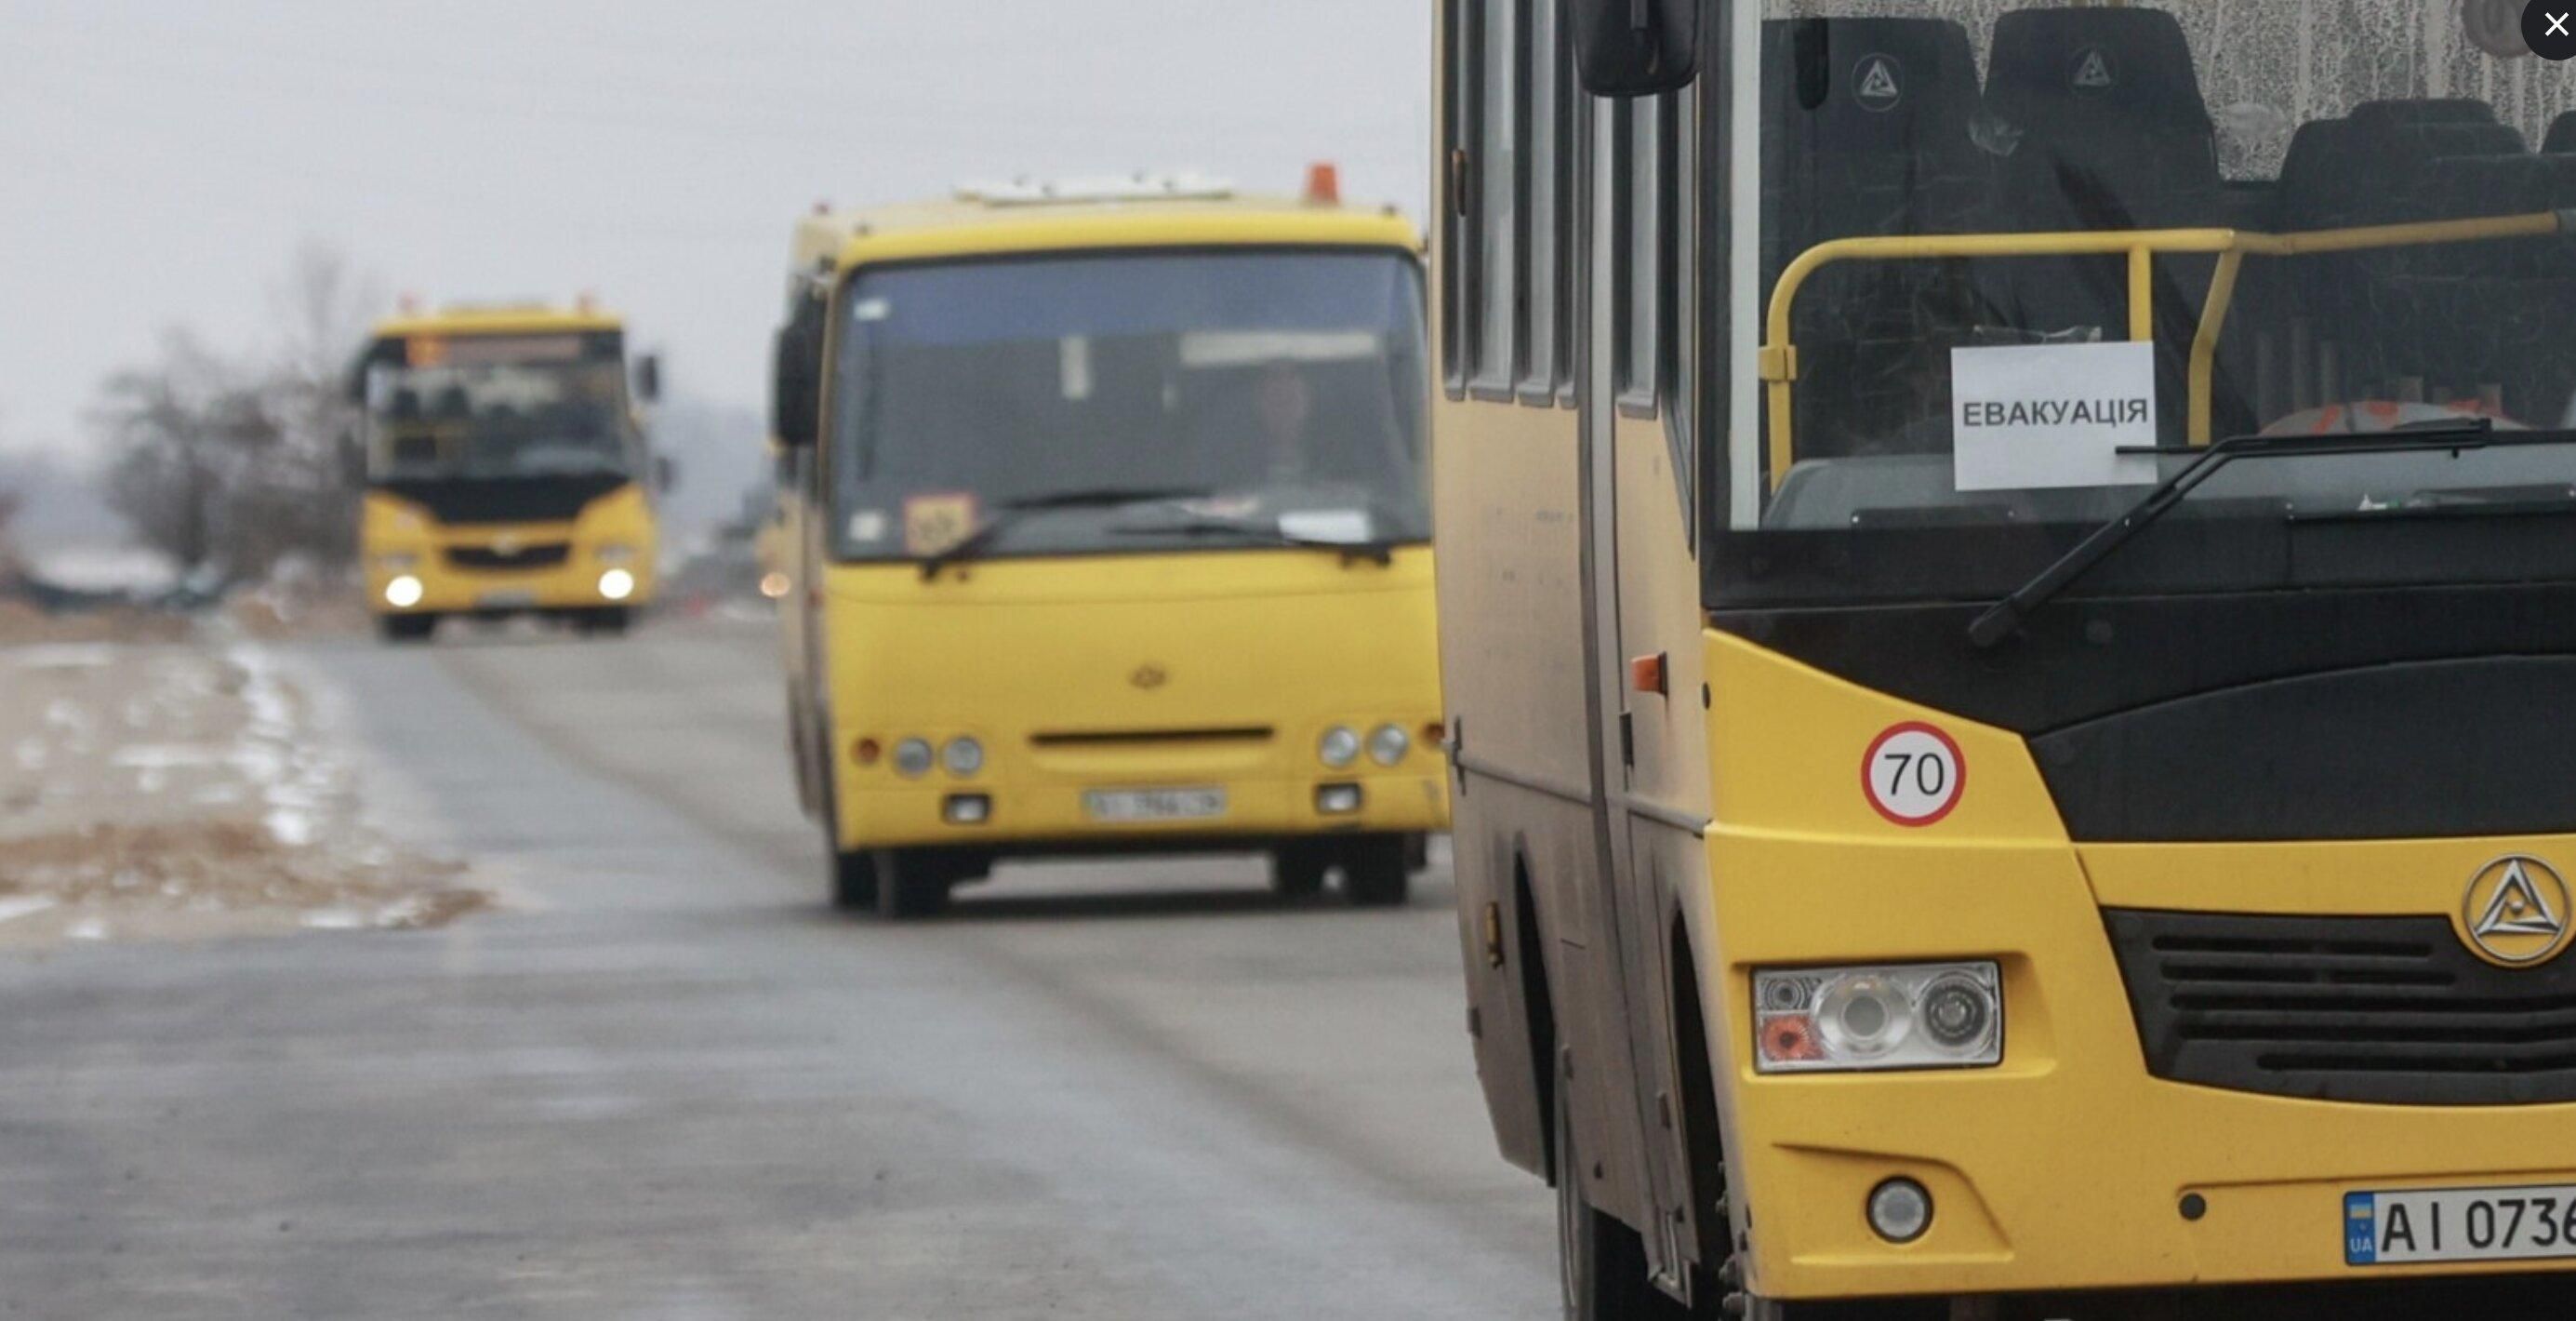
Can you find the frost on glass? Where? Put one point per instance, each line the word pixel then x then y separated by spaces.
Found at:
pixel 2267 66
pixel 2252 122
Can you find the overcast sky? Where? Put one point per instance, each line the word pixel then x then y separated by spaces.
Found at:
pixel 161 159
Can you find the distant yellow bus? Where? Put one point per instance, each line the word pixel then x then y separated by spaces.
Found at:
pixel 505 472
pixel 1108 532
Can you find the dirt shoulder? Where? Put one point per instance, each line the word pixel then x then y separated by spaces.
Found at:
pixel 183 789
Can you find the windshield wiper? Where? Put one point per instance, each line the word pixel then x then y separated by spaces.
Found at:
pixel 1379 551
pixel 1011 513
pixel 2482 502
pixel 2006 616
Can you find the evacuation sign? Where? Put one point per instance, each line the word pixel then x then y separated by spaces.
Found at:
pixel 2037 416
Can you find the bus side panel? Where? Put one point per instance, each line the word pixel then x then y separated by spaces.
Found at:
pixel 1512 669
pixel 1660 617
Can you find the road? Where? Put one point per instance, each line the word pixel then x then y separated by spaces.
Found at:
pixel 663 1081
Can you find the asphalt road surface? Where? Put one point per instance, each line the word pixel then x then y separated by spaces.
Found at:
pixel 665 1082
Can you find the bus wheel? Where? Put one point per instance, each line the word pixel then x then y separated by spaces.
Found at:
pixel 1601 1263
pixel 608 622
pixel 406 628
pixel 854 880
pixel 909 885
pixel 1374 872
pixel 1297 870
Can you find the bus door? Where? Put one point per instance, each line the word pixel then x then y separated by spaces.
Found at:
pixel 1642 641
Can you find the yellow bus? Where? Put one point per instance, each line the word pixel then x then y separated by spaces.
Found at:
pixel 505 472
pixel 1110 534
pixel 2006 573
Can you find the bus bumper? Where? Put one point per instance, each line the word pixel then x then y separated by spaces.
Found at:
pixel 2068 1167
pixel 575 585
pixel 1044 818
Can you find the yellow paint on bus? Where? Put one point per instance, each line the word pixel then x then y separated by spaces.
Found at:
pixel 1196 668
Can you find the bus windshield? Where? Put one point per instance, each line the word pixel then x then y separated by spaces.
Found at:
pixel 499 419
pixel 2008 250
pixel 1283 388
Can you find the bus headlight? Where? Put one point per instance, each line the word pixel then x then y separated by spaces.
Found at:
pixel 398 563
pixel 616 584
pixel 1340 747
pixel 404 592
pixel 912 758
pixel 615 554
pixel 1830 1020
pixel 962 756
pixel 1387 744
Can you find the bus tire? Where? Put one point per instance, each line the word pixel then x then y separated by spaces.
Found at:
pixel 611 621
pixel 1297 870
pixel 406 628
pixel 1374 872
pixel 1601 1262
pixel 909 885
pixel 854 880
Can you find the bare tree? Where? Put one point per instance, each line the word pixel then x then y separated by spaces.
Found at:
pixel 186 430
pixel 232 465
pixel 323 306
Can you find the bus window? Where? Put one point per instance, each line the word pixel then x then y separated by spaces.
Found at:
pixel 1906 135
pixel 1278 382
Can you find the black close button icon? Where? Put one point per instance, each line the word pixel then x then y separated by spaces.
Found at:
pixel 2550 27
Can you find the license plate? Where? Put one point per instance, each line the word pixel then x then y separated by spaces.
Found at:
pixel 512 600
pixel 1154 804
pixel 2459 1224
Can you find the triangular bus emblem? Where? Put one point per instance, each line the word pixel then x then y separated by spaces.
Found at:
pixel 1879 89
pixel 2518 909
pixel 2093 70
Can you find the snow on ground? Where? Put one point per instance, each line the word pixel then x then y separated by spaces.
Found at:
pixel 184 791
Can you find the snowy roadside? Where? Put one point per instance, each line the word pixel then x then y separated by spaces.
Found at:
pixel 188 791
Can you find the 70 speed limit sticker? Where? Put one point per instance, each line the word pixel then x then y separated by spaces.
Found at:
pixel 1914 774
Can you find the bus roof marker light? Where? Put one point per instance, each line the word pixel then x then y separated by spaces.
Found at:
pixel 1324 184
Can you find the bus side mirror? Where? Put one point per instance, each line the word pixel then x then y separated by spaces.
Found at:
pixel 1631 48
pixel 796 389
pixel 666 474
pixel 648 378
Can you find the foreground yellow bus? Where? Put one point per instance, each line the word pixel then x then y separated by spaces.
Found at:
pixel 2008 588
pixel 1108 533
pixel 505 473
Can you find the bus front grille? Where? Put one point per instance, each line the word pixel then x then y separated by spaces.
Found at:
pixel 1128 738
pixel 2374 1010
pixel 544 556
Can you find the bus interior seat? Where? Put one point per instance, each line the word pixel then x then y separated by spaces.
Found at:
pixel 2562 135
pixel 1868 132
pixel 2111 132
pixel 2410 323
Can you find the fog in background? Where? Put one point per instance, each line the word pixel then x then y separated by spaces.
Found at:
pixel 160 163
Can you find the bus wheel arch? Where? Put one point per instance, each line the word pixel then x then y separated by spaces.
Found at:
pixel 1538 1008
pixel 1695 1084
